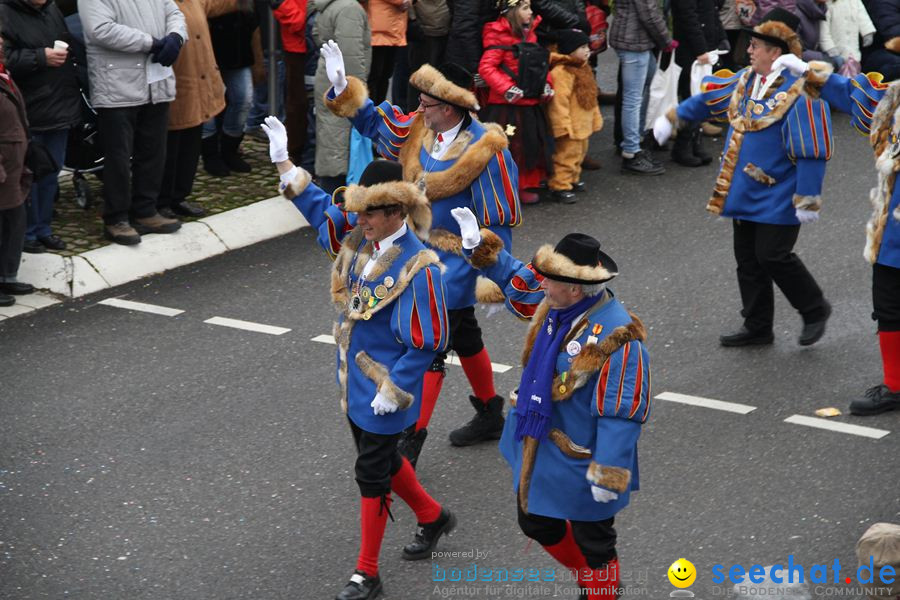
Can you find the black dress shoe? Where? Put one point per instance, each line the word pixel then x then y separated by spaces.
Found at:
pixel 6 300
pixel 33 247
pixel 360 587
pixel 563 196
pixel 54 242
pixel 745 337
pixel 579 187
pixel 877 400
pixel 16 287
pixel 188 209
pixel 813 332
pixel 428 535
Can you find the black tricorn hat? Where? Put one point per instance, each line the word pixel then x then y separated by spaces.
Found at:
pixel 577 258
pixel 449 83
pixel 779 28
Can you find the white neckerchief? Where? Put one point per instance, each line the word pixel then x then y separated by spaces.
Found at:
pixel 759 88
pixel 443 140
pixel 381 247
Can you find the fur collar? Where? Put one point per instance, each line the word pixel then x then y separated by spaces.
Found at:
pixel 471 160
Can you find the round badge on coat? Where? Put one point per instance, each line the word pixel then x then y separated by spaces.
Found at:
pixel 573 347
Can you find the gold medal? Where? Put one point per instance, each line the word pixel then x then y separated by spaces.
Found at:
pixel 562 389
pixel 367 316
pixel 758 109
pixel 780 96
pixel 366 293
pixel 389 281
pixel 380 292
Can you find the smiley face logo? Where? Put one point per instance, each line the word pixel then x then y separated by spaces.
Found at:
pixel 682 573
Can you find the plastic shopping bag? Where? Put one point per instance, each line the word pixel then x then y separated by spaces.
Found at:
pixel 663 90
pixel 698 72
pixel 360 155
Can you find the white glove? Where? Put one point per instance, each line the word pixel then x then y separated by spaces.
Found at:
pixel 602 494
pixel 792 63
pixel 277 139
pixel 548 91
pixel 662 129
pixel 334 66
pixel 513 94
pixel 807 216
pixel 468 227
pixel 381 405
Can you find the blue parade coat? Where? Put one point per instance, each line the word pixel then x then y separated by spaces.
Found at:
pixel 477 172
pixel 602 416
pixel 401 325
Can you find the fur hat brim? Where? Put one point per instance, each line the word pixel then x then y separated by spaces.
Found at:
pixel 358 198
pixel 430 81
pixel 778 34
pixel 550 263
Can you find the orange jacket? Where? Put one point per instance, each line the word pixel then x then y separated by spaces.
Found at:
pixel 291 15
pixel 388 22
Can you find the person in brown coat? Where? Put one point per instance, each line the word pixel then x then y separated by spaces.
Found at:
pixel 573 111
pixel 200 95
pixel 15 182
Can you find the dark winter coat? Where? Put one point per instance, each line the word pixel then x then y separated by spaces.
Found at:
pixel 696 26
pixel 638 26
pixel 466 24
pixel 559 14
pixel 15 179
pixel 885 14
pixel 231 35
pixel 51 93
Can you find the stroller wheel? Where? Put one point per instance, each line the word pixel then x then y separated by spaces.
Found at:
pixel 83 195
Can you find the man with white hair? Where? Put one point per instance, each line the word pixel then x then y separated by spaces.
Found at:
pixel 571 436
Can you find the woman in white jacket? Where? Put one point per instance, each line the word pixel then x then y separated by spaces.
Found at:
pixel 845 23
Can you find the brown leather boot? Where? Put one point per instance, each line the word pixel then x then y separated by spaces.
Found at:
pixel 157 224
pixel 122 233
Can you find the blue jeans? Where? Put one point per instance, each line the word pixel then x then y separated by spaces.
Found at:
pixel 238 97
pixel 43 191
pixel 259 109
pixel 637 72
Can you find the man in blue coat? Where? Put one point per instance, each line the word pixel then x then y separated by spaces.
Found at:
pixel 390 297
pixel 571 436
pixel 457 161
pixel 770 178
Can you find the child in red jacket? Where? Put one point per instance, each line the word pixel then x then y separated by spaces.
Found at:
pixel 525 120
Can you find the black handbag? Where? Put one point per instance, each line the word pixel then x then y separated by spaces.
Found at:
pixel 39 160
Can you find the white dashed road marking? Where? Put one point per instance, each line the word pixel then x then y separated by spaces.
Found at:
pixel 247 325
pixel 869 432
pixel 452 359
pixel 141 307
pixel 734 407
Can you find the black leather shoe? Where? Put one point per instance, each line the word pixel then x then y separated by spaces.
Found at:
pixel 877 400
pixel 360 587
pixel 6 300
pixel 428 535
pixel 54 242
pixel 33 247
pixel 487 424
pixel 563 196
pixel 188 209
pixel 745 337
pixel 813 332
pixel 411 442
pixel 16 288
pixel 578 187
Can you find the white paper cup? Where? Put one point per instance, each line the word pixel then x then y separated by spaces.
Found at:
pixel 60 45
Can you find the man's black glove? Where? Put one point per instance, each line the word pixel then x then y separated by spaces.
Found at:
pixel 171 46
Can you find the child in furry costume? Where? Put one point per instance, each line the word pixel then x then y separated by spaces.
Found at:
pixel 574 112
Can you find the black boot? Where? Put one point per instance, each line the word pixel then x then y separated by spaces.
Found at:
pixel 212 159
pixel 361 587
pixel 683 151
pixel 232 156
pixel 486 425
pixel 428 535
pixel 697 148
pixel 411 442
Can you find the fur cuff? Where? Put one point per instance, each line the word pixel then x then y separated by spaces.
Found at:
pixel 672 116
pixel 485 254
pixel 611 478
pixel 819 71
pixel 807 202
pixel 488 292
pixel 758 174
pixel 379 374
pixel 351 99
pixel 893 44
pixel 298 185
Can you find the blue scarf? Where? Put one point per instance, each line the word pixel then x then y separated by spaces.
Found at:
pixel 535 404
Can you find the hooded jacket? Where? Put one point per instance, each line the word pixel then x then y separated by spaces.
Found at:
pixel 51 93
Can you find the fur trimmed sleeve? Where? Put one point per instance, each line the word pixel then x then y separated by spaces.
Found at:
pixel 520 283
pixel 317 207
pixel 857 96
pixel 351 99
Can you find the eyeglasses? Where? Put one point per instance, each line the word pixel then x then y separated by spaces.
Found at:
pixel 423 105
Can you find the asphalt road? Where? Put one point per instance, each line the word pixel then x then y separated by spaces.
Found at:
pixel 152 457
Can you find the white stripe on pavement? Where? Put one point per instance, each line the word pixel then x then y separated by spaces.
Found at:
pixel 452 359
pixel 734 407
pixel 247 325
pixel 869 432
pixel 141 307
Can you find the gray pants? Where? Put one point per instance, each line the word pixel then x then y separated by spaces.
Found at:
pixel 12 240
